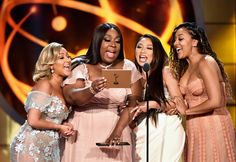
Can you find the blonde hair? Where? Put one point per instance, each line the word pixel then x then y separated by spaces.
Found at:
pixel 47 58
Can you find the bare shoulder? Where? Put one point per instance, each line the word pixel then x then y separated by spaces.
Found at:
pixel 207 61
pixel 208 66
pixel 43 85
pixel 166 72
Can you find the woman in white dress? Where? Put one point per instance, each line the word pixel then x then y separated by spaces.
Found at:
pixel 166 133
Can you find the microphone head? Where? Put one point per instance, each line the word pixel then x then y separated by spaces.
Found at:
pixel 146 67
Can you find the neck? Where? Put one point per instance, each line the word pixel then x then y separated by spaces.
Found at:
pixel 106 66
pixel 56 81
pixel 194 59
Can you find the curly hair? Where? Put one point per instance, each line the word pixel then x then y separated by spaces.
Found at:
pixel 179 66
pixel 47 58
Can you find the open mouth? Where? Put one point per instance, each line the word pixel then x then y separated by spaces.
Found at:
pixel 67 67
pixel 178 49
pixel 110 54
pixel 143 58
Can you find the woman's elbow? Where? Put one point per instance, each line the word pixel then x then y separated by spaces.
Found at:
pixel 32 122
pixel 217 102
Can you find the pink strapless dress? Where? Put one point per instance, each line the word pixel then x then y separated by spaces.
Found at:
pixel 210 136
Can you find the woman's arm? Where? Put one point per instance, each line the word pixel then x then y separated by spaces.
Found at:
pixel 126 116
pixel 174 92
pixel 36 121
pixel 78 94
pixel 210 73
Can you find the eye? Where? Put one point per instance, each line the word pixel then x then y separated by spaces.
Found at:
pixel 138 46
pixel 106 39
pixel 118 41
pixel 68 57
pixel 150 48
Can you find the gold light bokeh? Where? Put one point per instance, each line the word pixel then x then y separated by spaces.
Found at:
pixel 59 23
pixel 21 89
pixel 220 28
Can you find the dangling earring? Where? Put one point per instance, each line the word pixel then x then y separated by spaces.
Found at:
pixel 52 71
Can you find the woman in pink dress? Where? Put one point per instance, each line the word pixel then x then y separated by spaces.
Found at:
pixel 95 110
pixel 205 87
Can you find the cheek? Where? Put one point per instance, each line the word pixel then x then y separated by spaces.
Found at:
pixel 118 49
pixel 150 57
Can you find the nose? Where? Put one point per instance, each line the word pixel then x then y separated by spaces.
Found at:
pixel 175 43
pixel 68 59
pixel 113 43
pixel 143 50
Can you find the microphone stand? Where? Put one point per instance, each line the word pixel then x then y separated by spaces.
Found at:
pixel 147 115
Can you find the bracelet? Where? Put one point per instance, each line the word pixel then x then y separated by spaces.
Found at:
pixel 92 90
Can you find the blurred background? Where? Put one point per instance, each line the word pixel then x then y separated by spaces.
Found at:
pixel 26 26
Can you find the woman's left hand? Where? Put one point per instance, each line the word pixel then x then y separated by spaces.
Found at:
pixel 141 107
pixel 113 140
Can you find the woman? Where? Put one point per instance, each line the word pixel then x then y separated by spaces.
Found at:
pixel 166 133
pixel 95 106
pixel 38 138
pixel 205 87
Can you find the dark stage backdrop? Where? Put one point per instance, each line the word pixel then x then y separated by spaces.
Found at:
pixel 28 25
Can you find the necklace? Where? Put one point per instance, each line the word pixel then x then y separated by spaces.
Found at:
pixel 105 67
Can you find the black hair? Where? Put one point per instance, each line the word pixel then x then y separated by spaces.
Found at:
pixel 93 53
pixel 160 59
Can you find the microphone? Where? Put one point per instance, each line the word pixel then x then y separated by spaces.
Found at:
pixel 146 67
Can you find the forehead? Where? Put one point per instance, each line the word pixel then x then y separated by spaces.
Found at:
pixel 182 31
pixel 112 32
pixel 145 41
pixel 62 51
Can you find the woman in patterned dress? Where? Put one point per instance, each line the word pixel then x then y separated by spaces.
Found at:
pixel 38 138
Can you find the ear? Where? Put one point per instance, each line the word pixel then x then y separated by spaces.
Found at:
pixel 195 42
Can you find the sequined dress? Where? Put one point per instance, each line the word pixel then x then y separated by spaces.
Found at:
pixel 35 145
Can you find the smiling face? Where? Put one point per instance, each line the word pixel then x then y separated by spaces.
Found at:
pixel 110 47
pixel 184 43
pixel 62 66
pixel 144 51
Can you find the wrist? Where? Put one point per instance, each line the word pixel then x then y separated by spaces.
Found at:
pixel 57 127
pixel 91 89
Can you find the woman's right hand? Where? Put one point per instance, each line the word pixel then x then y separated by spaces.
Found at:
pixel 99 84
pixel 66 129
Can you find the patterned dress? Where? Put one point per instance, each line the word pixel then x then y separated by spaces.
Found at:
pixel 210 136
pixel 39 145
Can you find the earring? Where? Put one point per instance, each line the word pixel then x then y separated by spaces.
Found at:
pixel 52 71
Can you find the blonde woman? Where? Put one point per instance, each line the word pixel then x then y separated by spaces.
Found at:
pixel 38 137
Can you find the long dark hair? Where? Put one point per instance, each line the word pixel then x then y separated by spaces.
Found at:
pixel 179 66
pixel 93 53
pixel 160 59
